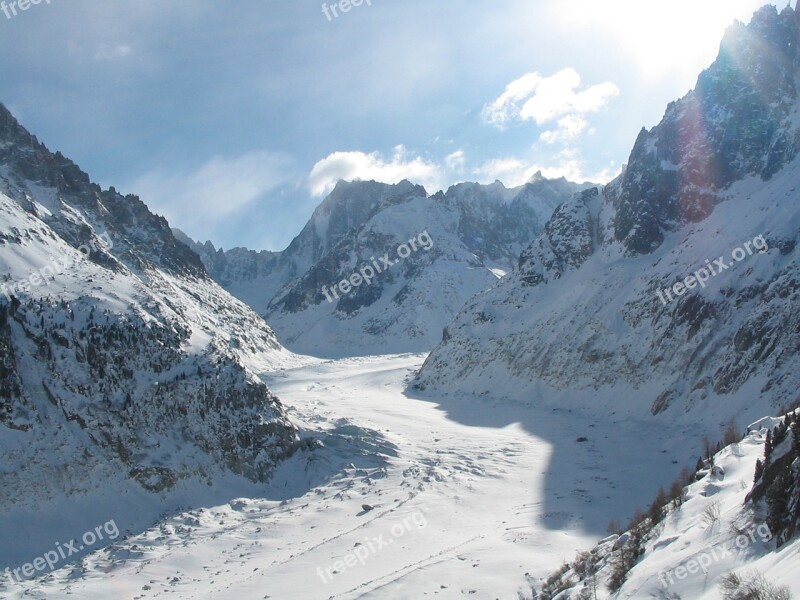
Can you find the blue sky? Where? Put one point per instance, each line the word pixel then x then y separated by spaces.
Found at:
pixel 233 119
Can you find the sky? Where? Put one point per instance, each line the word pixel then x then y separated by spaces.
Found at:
pixel 234 119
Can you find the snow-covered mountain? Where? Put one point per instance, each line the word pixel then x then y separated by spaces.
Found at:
pixel 675 288
pixel 713 535
pixel 120 359
pixel 470 236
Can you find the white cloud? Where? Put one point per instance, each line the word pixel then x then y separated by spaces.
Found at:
pixel 569 128
pixel 547 99
pixel 196 199
pixel 557 101
pixel 456 161
pixel 105 52
pixel 507 106
pixel 567 163
pixel 360 165
pixel 511 171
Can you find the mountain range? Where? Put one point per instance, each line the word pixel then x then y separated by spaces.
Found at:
pixel 476 234
pixel 667 299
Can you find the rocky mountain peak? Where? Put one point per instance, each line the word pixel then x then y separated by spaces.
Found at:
pixel 648 286
pixel 737 122
pixel 139 237
pixel 116 349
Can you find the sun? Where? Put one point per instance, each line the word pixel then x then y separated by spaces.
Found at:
pixel 677 38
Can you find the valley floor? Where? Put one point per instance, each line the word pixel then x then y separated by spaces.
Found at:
pixel 470 498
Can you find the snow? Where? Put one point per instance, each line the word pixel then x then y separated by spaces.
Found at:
pixel 481 492
pixel 712 534
pixel 602 333
pixel 550 408
pixel 406 308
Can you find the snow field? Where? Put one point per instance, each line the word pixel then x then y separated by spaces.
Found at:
pixel 469 497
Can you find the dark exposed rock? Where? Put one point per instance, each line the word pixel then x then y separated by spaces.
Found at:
pixel 102 373
pixel 731 125
pixel 139 237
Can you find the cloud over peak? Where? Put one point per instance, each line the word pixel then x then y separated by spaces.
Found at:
pixel 549 99
pixel 360 165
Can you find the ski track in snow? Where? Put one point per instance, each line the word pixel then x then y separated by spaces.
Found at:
pixel 468 500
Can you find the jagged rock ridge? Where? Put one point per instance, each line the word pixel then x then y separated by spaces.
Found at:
pixel 119 356
pixel 477 233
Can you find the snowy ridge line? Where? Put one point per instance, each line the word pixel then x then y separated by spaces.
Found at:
pixel 129 366
pixel 479 232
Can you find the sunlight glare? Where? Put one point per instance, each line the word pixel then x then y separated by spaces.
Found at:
pixel 677 38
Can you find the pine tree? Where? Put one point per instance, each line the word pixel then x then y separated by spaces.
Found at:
pixel 759 470
pixel 656 512
pixel 777 497
pixel 796 468
pixel 767 448
pixel 686 476
pixel 708 448
pixel 779 435
pixel 796 490
pixel 731 435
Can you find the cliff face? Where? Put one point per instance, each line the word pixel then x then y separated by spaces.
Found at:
pixel 33 174
pixel 119 356
pixel 737 122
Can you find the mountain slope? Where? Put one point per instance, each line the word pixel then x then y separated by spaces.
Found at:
pixel 623 300
pixel 120 359
pixel 710 541
pixel 464 238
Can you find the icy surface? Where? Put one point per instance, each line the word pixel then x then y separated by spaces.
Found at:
pixel 503 489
